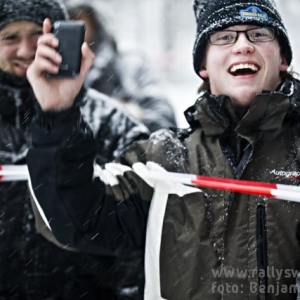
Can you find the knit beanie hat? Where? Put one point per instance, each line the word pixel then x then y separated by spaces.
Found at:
pixel 31 10
pixel 213 15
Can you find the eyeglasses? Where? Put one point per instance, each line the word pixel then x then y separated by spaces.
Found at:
pixel 254 35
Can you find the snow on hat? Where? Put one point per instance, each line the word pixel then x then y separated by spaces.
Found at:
pixel 31 10
pixel 212 15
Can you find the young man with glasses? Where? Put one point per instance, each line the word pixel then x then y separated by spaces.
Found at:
pixel 198 243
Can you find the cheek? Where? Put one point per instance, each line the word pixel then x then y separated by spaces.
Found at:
pixel 275 59
pixel 34 41
pixel 4 56
pixel 278 62
pixel 6 52
pixel 7 55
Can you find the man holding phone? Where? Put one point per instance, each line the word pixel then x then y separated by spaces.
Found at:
pixel 31 268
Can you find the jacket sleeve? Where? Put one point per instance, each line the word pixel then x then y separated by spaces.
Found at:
pixel 100 214
pixel 111 125
pixel 44 229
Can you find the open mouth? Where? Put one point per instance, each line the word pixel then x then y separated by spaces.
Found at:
pixel 22 66
pixel 243 69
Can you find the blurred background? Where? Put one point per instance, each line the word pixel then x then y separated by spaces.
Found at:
pixel 165 31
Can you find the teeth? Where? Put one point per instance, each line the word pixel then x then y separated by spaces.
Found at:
pixel 243 66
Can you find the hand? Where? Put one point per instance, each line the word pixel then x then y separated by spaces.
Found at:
pixel 55 94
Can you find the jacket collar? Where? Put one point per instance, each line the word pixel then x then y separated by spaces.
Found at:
pixel 215 113
pixel 17 99
pixel 12 81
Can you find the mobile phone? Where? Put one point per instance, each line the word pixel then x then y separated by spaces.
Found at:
pixel 71 36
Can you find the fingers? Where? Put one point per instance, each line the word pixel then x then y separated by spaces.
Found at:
pixel 47 59
pixel 87 59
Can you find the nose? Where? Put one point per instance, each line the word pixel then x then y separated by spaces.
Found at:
pixel 26 49
pixel 242 44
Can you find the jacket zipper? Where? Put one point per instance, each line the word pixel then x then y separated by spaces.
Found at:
pixel 261 239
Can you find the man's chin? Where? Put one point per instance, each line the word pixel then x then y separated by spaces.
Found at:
pixel 244 99
pixel 20 73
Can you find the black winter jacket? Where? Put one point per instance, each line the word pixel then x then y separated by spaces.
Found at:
pixel 198 243
pixel 31 268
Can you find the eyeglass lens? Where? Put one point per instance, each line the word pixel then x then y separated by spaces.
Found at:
pixel 256 35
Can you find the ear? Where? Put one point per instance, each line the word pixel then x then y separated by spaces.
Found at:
pixel 203 71
pixel 284 65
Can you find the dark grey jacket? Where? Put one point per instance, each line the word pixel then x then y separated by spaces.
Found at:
pixel 199 243
pixel 32 268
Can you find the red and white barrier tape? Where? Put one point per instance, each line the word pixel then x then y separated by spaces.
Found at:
pixel 270 190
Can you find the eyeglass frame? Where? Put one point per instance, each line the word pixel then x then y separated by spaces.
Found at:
pixel 237 35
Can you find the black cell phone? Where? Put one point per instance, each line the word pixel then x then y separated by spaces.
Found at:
pixel 71 36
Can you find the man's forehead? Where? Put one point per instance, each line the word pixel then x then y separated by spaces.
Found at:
pixel 241 27
pixel 17 25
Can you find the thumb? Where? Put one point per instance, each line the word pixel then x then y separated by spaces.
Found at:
pixel 47 26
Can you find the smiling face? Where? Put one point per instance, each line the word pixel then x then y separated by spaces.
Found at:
pixel 18 42
pixel 243 69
